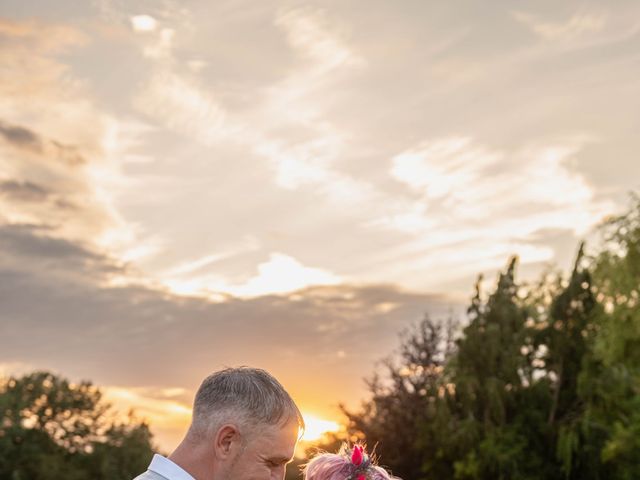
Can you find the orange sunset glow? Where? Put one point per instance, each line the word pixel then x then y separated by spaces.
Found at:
pixel 189 185
pixel 316 427
pixel 171 417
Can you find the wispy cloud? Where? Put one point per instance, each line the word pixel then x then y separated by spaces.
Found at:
pixel 585 28
pixel 182 106
pixel 317 39
pixel 473 182
pixel 580 24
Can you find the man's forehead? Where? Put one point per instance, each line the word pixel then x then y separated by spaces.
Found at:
pixel 284 432
pixel 279 441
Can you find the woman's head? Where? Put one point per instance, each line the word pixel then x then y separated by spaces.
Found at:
pixel 349 464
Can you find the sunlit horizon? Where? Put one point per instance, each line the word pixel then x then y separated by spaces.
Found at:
pixel 316 427
pixel 170 418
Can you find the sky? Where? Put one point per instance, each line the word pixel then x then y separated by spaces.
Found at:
pixel 188 185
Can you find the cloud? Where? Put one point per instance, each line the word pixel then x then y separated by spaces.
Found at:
pixel 282 274
pixel 473 206
pixel 316 38
pixel 585 28
pixel 308 164
pixel 72 286
pixel 578 25
pixel 27 83
pixel 442 168
pixel 183 106
pixel 56 169
pixel 143 23
pixel 21 137
pixel 27 140
pixel 316 126
pixel 183 102
pixel 24 191
pixel 472 182
pixel 27 240
pixel 328 57
pixel 44 183
pixel 40 36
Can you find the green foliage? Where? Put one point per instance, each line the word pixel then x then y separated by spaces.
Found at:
pixel 542 383
pixel 611 385
pixel 500 406
pixel 52 429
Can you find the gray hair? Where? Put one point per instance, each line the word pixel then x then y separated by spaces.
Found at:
pixel 249 397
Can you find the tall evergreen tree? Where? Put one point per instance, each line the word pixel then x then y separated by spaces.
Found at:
pixel 489 371
pixel 565 339
pixel 610 386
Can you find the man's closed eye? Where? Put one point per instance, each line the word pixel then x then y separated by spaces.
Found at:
pixel 278 462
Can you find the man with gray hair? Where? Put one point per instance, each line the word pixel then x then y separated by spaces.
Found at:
pixel 245 426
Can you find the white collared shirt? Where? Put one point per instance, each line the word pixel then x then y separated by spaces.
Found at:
pixel 165 467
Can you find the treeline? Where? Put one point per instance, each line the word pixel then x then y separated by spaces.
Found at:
pixel 52 429
pixel 543 381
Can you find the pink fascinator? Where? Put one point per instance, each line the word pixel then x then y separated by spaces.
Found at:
pixel 360 463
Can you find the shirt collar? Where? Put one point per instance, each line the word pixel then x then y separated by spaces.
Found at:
pixel 165 467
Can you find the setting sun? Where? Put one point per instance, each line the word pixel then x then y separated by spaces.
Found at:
pixel 315 427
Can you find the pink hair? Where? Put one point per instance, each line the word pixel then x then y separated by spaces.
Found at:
pixel 333 466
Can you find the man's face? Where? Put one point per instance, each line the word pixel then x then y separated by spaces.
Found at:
pixel 266 453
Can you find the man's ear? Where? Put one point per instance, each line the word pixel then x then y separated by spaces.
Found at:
pixel 227 441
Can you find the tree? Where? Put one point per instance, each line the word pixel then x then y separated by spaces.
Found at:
pixel 54 429
pixel 497 407
pixel 610 386
pixel 406 397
